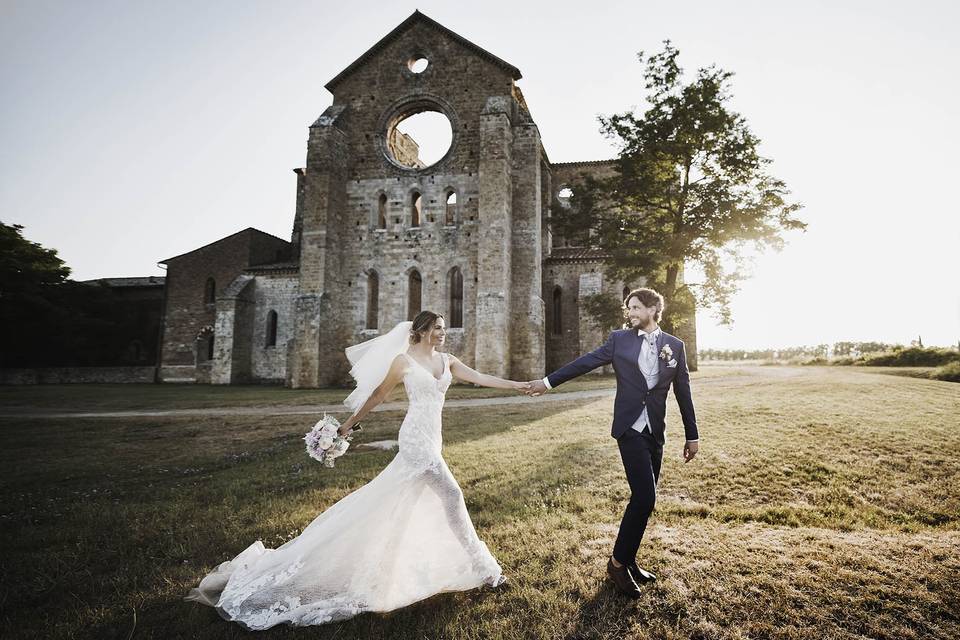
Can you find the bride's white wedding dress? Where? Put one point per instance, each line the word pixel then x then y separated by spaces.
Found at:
pixel 402 537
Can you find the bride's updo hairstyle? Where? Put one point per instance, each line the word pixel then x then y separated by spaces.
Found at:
pixel 423 322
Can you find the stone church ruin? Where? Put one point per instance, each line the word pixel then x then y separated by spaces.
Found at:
pixel 380 233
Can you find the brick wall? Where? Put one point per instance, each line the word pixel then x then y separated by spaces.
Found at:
pixel 186 311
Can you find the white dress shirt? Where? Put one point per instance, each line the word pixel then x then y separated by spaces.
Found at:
pixel 649 367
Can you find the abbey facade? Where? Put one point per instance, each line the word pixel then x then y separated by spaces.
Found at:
pixel 378 235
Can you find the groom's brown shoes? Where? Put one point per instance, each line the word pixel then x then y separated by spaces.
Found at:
pixel 640 576
pixel 621 578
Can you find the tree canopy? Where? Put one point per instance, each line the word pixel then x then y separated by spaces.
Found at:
pixel 25 264
pixel 690 189
pixel 48 320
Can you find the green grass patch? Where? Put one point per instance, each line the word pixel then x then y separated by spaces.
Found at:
pixel 823 503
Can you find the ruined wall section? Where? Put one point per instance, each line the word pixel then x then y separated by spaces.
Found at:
pixel 276 290
pixel 527 339
pixel 456 82
pixel 372 98
pixel 433 249
pixel 321 329
pixel 186 311
pixel 233 333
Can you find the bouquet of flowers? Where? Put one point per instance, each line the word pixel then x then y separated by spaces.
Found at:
pixel 324 443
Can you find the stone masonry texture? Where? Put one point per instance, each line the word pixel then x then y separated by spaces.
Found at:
pixel 341 253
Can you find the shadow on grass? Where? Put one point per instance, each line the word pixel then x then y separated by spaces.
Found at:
pixel 104 517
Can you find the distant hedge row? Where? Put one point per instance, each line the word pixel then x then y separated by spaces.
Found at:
pixel 949 372
pixel 947 361
pixel 904 357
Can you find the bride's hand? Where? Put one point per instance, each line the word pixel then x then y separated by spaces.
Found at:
pixel 522 387
pixel 345 428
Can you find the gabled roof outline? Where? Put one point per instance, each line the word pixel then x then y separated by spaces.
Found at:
pixel 417 17
pixel 210 244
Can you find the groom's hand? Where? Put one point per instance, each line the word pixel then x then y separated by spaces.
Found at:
pixel 536 388
pixel 690 450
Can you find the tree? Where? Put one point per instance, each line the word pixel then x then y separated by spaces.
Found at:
pixel 25 265
pixel 48 320
pixel 690 188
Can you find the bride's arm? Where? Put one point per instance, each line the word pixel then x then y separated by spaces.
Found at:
pixel 465 373
pixel 394 375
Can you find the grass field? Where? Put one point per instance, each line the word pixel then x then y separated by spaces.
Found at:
pixel 824 503
pixel 138 397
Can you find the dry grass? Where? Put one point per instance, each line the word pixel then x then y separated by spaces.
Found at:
pixel 823 504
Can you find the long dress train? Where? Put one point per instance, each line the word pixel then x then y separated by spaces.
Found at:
pixel 402 537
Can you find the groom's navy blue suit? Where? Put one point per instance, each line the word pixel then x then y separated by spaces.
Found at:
pixel 641 452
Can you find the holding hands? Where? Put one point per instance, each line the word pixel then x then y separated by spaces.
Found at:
pixel 532 388
pixel 536 388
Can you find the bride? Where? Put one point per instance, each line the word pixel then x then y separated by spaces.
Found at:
pixel 404 536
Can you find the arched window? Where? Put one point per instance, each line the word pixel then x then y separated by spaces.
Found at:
pixel 456 297
pixel 451 208
pixel 415 203
pixel 415 289
pixel 382 212
pixel 210 292
pixel 272 328
pixel 204 345
pixel 557 311
pixel 373 300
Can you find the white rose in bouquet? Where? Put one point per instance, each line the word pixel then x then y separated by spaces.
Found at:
pixel 324 443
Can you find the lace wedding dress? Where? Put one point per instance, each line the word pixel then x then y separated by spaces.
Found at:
pixel 402 537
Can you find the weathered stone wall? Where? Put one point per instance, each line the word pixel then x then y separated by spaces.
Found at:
pixel 321 328
pixel 564 346
pixel 527 338
pixel 234 332
pixel 348 151
pixel 493 260
pixel 565 175
pixel 186 312
pixel 456 82
pixel 433 249
pixel 500 238
pixel 276 291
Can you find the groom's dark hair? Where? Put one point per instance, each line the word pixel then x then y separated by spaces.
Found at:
pixel 423 322
pixel 648 298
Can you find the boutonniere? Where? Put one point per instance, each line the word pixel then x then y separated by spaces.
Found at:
pixel 666 354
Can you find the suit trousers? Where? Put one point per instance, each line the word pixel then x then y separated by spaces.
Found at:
pixel 642 456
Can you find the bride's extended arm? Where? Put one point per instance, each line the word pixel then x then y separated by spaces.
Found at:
pixel 394 375
pixel 465 373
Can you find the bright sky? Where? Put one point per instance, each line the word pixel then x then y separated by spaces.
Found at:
pixel 135 131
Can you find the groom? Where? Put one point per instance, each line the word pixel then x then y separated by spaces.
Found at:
pixel 646 360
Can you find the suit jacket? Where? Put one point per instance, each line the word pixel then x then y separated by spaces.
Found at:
pixel 622 349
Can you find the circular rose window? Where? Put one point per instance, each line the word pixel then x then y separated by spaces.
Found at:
pixel 419 138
